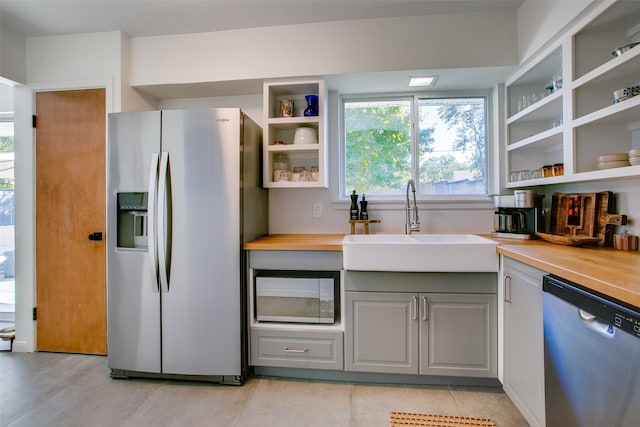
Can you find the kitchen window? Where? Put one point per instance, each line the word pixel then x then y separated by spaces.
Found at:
pixel 439 142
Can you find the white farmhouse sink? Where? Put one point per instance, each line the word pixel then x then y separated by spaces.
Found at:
pixel 419 252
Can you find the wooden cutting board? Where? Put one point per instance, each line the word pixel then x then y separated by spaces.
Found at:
pixel 585 214
pixel 573 214
pixel 606 219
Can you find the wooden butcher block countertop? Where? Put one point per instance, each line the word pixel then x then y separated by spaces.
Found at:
pixel 296 242
pixel 611 272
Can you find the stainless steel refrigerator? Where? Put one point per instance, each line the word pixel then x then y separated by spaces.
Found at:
pixel 184 194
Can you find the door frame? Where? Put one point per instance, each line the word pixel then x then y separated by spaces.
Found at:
pixel 25 102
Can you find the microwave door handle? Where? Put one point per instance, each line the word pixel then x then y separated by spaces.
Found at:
pixel 152 221
pixel 162 226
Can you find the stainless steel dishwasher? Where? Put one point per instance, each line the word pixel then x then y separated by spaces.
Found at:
pixel 591 357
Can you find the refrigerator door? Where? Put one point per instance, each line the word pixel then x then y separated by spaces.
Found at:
pixel 201 333
pixel 133 306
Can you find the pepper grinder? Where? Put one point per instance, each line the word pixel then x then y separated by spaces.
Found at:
pixel 363 208
pixel 354 206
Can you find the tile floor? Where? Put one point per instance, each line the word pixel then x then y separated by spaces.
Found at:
pixel 48 389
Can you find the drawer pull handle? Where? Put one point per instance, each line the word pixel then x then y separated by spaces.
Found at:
pixel 293 350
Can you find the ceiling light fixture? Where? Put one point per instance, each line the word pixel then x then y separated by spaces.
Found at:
pixel 423 81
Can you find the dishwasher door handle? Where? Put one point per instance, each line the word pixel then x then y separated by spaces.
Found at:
pixel 598 326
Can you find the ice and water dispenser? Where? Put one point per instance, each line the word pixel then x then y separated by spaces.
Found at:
pixel 132 220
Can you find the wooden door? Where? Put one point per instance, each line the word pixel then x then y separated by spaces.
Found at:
pixel 70 205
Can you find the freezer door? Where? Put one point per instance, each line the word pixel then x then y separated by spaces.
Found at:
pixel 133 308
pixel 201 333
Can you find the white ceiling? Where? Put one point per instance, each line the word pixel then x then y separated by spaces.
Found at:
pixel 162 17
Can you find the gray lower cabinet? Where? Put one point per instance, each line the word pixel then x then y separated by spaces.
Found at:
pixel 523 339
pixel 297 349
pixel 421 333
pixel 381 332
pixel 459 335
pixel 293 345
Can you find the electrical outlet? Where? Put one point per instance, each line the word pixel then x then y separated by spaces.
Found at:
pixel 316 210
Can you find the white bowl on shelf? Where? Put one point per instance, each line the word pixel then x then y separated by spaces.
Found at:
pixel 305 135
pixel 634 161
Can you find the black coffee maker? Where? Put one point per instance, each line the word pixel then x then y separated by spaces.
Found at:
pixel 519 222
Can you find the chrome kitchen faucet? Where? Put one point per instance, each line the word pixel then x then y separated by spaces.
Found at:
pixel 413 220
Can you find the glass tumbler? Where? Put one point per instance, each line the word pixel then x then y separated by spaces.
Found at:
pixel 315 173
pixel 536 174
pixel 524 175
pixel 280 165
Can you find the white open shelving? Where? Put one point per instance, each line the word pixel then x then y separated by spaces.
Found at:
pixel 282 129
pixel 579 122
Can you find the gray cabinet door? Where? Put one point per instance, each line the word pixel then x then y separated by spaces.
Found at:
pixel 458 335
pixel 523 339
pixel 381 333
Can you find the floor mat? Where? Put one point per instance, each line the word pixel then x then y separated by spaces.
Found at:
pixel 405 419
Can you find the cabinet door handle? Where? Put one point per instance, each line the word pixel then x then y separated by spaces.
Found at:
pixel 293 350
pixel 507 289
pixel 425 311
pixel 414 308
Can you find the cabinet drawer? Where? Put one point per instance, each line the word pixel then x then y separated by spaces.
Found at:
pixel 296 349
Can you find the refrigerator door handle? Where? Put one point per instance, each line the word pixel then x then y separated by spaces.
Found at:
pixel 163 209
pixel 152 209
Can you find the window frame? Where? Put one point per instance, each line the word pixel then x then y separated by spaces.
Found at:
pixel 381 201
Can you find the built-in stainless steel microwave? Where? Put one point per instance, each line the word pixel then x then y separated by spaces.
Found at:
pixel 296 296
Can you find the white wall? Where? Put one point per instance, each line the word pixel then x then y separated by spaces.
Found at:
pixel 250 104
pixel 13 57
pixel 443 41
pixel 6 98
pixel 131 99
pixel 25 219
pixel 541 20
pixel 74 57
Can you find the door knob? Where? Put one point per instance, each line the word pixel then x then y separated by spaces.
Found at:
pixel 97 235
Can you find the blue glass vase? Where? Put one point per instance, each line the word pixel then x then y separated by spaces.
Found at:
pixel 312 105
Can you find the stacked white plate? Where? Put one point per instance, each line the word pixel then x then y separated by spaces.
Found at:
pixel 609 161
pixel 625 93
pixel 634 156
